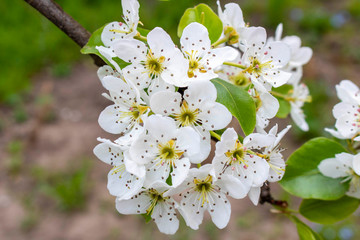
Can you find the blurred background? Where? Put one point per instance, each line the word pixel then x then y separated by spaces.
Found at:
pixel 51 185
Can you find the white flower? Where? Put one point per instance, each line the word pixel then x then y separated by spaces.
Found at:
pixel 164 150
pixel 234 75
pixel 299 55
pixel 264 63
pixel 346 166
pixel 127 113
pixel 118 30
pixel 162 61
pixel 347 112
pixel 121 183
pixel 200 192
pixel 197 109
pixel 238 164
pixel 152 202
pixel 267 107
pixel 299 96
pixel 201 58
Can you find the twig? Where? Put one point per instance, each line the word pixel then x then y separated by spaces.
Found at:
pixel 265 196
pixel 65 22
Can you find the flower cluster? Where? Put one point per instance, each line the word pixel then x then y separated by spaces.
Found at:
pixel 347 114
pixel 164 113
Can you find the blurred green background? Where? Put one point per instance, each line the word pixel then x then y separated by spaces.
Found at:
pixel 30 43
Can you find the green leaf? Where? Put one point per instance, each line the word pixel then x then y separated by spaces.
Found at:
pixel 302 177
pixel 304 231
pixel 328 212
pixel 285 106
pixel 203 14
pixel 95 40
pixel 238 102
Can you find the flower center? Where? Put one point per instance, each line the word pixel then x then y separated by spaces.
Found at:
pixel 240 79
pixel 204 187
pixel 187 117
pixel 194 64
pixel 256 67
pixel 168 153
pixel 237 155
pixel 154 65
pixel 156 197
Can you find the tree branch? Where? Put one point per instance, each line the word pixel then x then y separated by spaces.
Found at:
pixel 265 196
pixel 65 22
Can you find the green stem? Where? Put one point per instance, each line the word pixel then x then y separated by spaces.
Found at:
pixel 276 94
pixel 351 147
pixel 234 65
pixel 215 135
pixel 139 37
pixel 202 18
pixel 220 41
pixel 199 165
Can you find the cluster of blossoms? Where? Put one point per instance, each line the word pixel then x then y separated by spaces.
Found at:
pixel 347 114
pixel 164 112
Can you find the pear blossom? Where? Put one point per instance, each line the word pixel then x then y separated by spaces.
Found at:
pixel 128 112
pixel 264 62
pixel 299 55
pixel 200 192
pixel 347 112
pixel 234 75
pixel 121 183
pixel 152 64
pixel 346 166
pixel 300 94
pixel 119 30
pixel 201 57
pixel 197 109
pixel 164 150
pixel 239 163
pixel 267 107
pixel 152 202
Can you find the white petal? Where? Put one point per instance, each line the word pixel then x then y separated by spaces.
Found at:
pixel 347 91
pixel 109 34
pixel 136 205
pixel 161 127
pixel 278 53
pixel 138 75
pixel 228 139
pixel 205 145
pixel 215 117
pixel 255 41
pixel 299 118
pixel 277 167
pixel 191 212
pixel 278 32
pixel 234 15
pixel 353 191
pixel 130 50
pixel 133 167
pixel 131 12
pixel 333 168
pixel 158 85
pixel 160 42
pixel 356 164
pixel 218 56
pixel 301 57
pixel 221 210
pixel 254 195
pixel 120 91
pixel 165 103
pixel 188 139
pixel 165 218
pixel 345 108
pixel 180 171
pixel 335 133
pixel 347 126
pixel 195 37
pixel 277 78
pixel 236 187
pixel 200 91
pixel 258 141
pixel 259 168
pixel 110 121
pixel 270 105
pixel 107 71
pixel 123 184
pixel 109 153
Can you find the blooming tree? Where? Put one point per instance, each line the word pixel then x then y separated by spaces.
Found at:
pixel 168 102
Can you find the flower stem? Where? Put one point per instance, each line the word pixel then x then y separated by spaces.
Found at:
pixel 220 41
pixel 199 165
pixel 215 135
pixel 234 65
pixel 351 147
pixel 139 37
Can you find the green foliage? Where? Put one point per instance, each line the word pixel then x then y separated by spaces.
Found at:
pixel 328 212
pixel 94 41
pixel 69 189
pixel 302 177
pixel 203 14
pixel 285 106
pixel 239 102
pixel 304 231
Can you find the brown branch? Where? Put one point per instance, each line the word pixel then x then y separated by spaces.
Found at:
pixel 265 197
pixel 65 22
